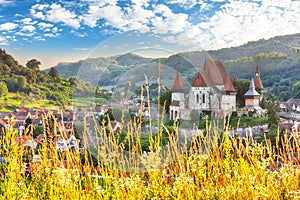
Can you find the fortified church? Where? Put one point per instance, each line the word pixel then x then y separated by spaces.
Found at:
pixel 212 90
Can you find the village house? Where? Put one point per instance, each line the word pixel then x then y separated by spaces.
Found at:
pixel 290 105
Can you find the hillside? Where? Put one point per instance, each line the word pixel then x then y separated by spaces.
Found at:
pixel 278 58
pixel 29 87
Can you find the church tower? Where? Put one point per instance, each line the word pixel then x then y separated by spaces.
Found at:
pixel 177 100
pixel 252 98
pixel 199 95
pixel 258 83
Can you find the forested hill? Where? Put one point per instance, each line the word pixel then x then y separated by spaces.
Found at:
pixel 27 86
pixel 278 58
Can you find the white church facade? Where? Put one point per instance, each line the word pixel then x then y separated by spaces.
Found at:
pixel 212 90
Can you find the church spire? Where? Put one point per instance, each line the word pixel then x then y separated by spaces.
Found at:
pixel 257 72
pixel 257 81
pixel 177 86
pixel 252 91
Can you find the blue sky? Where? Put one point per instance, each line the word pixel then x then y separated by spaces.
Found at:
pixel 64 30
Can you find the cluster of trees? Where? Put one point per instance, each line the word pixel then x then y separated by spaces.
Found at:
pixel 30 80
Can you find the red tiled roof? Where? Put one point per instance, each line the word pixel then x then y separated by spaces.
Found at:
pixel 213 73
pixel 228 86
pixel 257 69
pixel 177 86
pixel 257 82
pixel 2 123
pixel 22 110
pixel 222 71
pixel 199 81
pixel 210 67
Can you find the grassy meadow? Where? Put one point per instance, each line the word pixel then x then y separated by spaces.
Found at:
pixel 206 167
pixel 17 100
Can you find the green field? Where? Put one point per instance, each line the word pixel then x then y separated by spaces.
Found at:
pixel 14 100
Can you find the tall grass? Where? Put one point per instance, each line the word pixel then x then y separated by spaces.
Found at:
pixel 237 168
pixel 111 166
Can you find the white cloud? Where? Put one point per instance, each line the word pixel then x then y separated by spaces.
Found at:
pixel 4 2
pixel 60 14
pixel 28 28
pixel 110 12
pixel 38 9
pixel 239 22
pixel 51 35
pixel 28 21
pixel 55 13
pixel 55 30
pixel 220 1
pixel 234 23
pixel 169 22
pixel 186 4
pixel 8 26
pixel 81 49
pixel 43 25
pixel 3 41
pixel 39 38
pixel 25 34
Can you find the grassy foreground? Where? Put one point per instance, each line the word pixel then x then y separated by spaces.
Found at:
pixel 208 168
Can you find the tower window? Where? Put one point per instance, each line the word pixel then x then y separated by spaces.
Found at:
pixel 203 98
pixel 197 98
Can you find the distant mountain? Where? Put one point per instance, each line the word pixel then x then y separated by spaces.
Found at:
pixel 278 58
pixel 102 70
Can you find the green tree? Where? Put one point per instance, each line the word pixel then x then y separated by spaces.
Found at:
pixel 53 72
pixel 31 76
pixel 241 87
pixel 37 131
pixel 22 82
pixel 165 100
pixel 33 64
pixel 29 126
pixel 4 70
pixel 3 89
pixel 272 107
pixel 296 90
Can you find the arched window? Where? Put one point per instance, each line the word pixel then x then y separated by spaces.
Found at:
pixel 203 98
pixel 197 98
pixel 175 114
pixel 172 114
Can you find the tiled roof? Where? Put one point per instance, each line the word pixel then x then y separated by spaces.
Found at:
pixel 222 71
pixel 2 123
pixel 257 81
pixel 199 81
pixel 252 91
pixel 210 67
pixel 257 69
pixel 228 86
pixel 213 73
pixel 177 86
pixel 293 101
